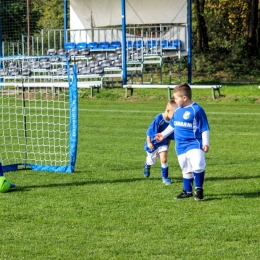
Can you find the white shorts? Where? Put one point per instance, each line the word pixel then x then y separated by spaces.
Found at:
pixel 192 161
pixel 151 157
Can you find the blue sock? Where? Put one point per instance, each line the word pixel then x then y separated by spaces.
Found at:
pixel 165 170
pixel 199 179
pixel 187 182
pixel 1 170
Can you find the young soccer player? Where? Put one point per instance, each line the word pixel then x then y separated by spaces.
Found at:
pixel 191 134
pixel 156 149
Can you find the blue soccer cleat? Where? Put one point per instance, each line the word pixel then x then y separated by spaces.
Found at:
pixel 12 185
pixel 146 170
pixel 167 181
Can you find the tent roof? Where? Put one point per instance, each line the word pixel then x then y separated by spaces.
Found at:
pixel 108 12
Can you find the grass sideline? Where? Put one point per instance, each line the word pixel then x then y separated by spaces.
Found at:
pixel 108 210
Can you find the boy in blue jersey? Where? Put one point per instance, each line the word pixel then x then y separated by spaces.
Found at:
pixel 191 132
pixel 156 149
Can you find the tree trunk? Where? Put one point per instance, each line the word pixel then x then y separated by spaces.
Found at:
pixel 202 32
pixel 251 26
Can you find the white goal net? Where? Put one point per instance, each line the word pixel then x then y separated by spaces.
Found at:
pixel 38 128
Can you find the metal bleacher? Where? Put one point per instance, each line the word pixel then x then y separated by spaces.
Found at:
pixel 99 61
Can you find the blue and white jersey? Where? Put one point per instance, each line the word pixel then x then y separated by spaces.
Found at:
pixel 189 123
pixel 157 126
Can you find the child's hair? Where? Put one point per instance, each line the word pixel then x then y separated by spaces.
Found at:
pixel 183 89
pixel 172 102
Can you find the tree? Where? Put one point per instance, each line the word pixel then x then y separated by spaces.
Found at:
pixel 202 34
pixel 252 27
pixel 14 19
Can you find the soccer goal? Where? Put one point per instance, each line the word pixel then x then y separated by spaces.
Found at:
pixel 39 116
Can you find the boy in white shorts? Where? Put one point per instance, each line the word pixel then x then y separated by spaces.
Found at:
pixel 191 132
pixel 156 149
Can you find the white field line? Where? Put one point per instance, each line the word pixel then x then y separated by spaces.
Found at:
pixel 154 112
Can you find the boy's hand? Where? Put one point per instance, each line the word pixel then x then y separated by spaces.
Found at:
pixel 158 137
pixel 150 146
pixel 205 148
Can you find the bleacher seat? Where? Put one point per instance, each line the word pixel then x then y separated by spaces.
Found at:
pixel 151 43
pixel 35 65
pixel 73 52
pixel 43 59
pixel 112 56
pixel 105 63
pixel 98 70
pixel 46 65
pixel 103 45
pixel 51 52
pixel 31 60
pixel 81 45
pixel 14 72
pixel 118 50
pixel 137 56
pixel 81 63
pixel 61 72
pixel 62 52
pixel 138 44
pixel 163 43
pixel 84 52
pixel 85 70
pixel 69 45
pixel 4 72
pixel 92 45
pixel 101 56
pixel 93 63
pixel 177 43
pixel 54 59
pixel 173 44
pixel 129 44
pixel 117 63
pixel 13 65
pixel 26 72
pixel 115 45
pixel 26 65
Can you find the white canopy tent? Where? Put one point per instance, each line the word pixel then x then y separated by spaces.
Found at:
pixel 88 14
pixel 85 14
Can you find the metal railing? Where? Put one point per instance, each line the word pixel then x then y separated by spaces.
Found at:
pixel 38 44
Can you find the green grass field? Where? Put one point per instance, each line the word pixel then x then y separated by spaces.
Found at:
pixel 108 210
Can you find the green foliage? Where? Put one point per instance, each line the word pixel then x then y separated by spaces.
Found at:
pixel 14 19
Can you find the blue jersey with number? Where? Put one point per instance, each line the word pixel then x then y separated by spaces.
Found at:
pixel 189 123
pixel 157 126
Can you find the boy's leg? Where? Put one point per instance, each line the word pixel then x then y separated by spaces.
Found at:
pixel 197 159
pixel 164 167
pixel 146 170
pixel 1 170
pixel 150 160
pixel 187 177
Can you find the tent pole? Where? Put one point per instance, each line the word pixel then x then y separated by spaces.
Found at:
pixel 124 42
pixel 189 21
pixel 65 9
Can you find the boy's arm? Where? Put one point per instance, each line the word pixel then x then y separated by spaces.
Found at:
pixel 149 142
pixel 205 141
pixel 160 136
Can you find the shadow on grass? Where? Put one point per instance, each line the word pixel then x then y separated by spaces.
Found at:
pixel 83 183
pixel 230 178
pixel 246 195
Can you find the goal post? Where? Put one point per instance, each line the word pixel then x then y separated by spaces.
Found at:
pixel 39 120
